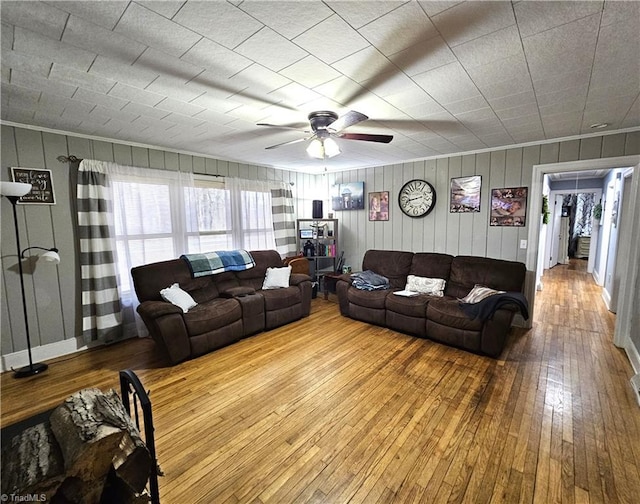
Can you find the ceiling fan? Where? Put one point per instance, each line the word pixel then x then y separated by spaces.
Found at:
pixel 325 126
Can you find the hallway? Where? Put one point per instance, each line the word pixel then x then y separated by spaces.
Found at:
pixel 572 299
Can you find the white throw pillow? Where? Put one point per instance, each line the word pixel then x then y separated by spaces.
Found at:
pixel 478 293
pixel 175 295
pixel 276 278
pixel 425 285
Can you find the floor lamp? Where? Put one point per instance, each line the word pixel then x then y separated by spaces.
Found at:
pixel 13 191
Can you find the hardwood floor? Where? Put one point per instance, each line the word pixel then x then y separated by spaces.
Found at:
pixel 335 411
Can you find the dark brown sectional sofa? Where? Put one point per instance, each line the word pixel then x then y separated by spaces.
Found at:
pixel 231 305
pixel 438 318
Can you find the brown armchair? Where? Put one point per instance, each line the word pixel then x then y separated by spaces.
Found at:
pixel 299 264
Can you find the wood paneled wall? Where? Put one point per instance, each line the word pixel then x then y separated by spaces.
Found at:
pixel 461 234
pixel 53 292
pixel 53 299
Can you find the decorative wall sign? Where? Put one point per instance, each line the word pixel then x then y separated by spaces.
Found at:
pixel 348 196
pixel 465 194
pixel 379 206
pixel 41 185
pixel 508 206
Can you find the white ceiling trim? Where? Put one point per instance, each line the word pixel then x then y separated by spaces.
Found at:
pixel 314 170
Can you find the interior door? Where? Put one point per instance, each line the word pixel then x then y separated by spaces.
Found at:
pixel 620 267
pixel 555 233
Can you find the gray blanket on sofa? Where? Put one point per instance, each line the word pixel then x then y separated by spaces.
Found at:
pixel 368 280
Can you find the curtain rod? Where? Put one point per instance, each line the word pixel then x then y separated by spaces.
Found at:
pixel 73 159
pixel 69 159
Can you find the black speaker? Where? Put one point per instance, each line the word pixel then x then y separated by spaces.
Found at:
pixel 317 209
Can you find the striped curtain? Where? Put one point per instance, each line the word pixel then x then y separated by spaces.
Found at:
pixel 284 224
pixel 101 308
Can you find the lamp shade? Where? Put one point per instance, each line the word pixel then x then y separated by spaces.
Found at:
pixel 316 149
pixel 51 256
pixel 331 148
pixel 15 189
pixel 322 148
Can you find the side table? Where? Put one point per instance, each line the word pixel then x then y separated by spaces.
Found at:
pixel 329 280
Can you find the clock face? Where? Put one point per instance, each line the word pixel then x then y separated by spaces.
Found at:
pixel 417 198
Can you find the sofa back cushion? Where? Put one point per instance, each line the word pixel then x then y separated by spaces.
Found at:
pixel 254 277
pixel 467 271
pixel 431 265
pixel 393 264
pixel 150 279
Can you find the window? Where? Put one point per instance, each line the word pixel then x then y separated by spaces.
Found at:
pixel 157 219
pixel 213 216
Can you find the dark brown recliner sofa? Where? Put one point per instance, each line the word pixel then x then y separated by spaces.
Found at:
pixel 438 318
pixel 231 305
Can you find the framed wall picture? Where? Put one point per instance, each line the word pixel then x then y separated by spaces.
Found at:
pixel 349 196
pixel 508 207
pixel 465 194
pixel 379 206
pixel 42 192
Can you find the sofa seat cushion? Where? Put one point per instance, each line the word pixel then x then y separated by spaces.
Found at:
pixel 277 299
pixel 448 313
pixel 368 299
pixel 212 315
pixel 415 306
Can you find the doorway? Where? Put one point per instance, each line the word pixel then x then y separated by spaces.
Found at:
pixel 628 297
pixel 572 231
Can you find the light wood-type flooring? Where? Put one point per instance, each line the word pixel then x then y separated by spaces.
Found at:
pixel 330 410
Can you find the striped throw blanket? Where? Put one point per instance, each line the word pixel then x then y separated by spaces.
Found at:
pixel 212 263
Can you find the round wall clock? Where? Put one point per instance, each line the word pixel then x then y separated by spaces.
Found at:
pixel 417 198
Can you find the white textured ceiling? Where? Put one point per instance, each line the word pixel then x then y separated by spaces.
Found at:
pixel 442 77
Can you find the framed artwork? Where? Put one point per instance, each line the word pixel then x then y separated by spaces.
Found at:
pixel 41 185
pixel 508 207
pixel 465 194
pixel 379 206
pixel 348 196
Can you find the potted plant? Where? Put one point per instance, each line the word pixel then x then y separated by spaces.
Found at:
pixel 597 211
pixel 545 209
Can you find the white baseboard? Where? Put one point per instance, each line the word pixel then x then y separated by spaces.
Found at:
pixel 606 297
pixel 596 276
pixel 635 385
pixel 44 352
pixel 634 356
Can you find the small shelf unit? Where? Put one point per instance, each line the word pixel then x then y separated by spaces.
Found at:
pixel 317 240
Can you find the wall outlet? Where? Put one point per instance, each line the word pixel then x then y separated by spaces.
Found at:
pixel 523 244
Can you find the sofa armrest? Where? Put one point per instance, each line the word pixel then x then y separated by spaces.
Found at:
pixel 165 323
pixel 154 309
pixel 297 278
pixel 342 288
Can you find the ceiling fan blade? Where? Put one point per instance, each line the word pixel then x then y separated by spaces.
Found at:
pixel 287 143
pixel 416 49
pixel 367 137
pixel 349 119
pixel 282 126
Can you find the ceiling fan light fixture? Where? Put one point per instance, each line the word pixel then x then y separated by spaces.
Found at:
pixel 316 149
pixel 331 148
pixel 322 148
